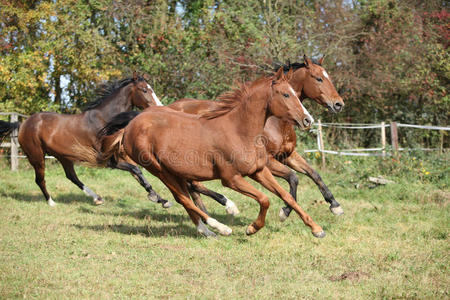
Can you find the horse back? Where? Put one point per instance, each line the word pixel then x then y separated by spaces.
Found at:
pixel 55 133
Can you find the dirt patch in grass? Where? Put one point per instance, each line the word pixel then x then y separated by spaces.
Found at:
pixel 351 275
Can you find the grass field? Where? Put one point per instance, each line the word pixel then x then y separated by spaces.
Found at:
pixel 392 242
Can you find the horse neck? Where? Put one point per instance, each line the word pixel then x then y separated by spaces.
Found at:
pixel 250 116
pixel 113 105
pixel 298 82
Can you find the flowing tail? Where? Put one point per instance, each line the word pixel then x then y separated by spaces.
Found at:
pixel 6 128
pixel 110 137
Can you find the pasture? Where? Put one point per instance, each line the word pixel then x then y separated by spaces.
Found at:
pixel 392 241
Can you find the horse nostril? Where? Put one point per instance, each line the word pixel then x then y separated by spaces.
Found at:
pixel 307 122
pixel 338 106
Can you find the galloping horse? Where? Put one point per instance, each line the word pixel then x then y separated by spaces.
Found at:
pixel 56 134
pixel 309 80
pixel 219 144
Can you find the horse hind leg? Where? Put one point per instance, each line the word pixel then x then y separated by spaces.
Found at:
pixel 137 174
pixel 179 189
pixel 37 160
pixel 72 176
pixel 230 207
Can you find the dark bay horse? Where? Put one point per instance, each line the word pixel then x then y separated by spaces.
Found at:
pixel 309 80
pixel 219 144
pixel 56 134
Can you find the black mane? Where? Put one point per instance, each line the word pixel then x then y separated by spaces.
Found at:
pixel 107 89
pixel 294 66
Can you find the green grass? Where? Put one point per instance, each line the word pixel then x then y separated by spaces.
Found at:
pixel 392 241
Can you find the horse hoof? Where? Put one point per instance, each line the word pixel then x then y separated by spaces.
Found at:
pixel 320 234
pixel 203 230
pixel 167 204
pixel 51 202
pixel 231 208
pixel 98 201
pixel 337 211
pixel 282 215
pixel 152 196
pixel 226 231
pixel 251 229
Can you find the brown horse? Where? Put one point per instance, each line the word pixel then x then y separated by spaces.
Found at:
pixel 220 144
pixel 309 80
pixel 56 134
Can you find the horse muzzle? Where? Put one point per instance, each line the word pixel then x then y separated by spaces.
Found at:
pixel 335 106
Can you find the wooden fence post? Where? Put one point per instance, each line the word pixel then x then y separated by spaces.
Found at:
pixel 14 145
pixel 383 139
pixel 320 141
pixel 394 136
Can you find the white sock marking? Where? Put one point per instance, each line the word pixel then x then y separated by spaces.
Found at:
pixel 90 193
pixel 51 202
pixel 282 215
pixel 231 208
pixel 223 229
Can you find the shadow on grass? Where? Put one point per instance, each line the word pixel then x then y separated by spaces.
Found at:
pixel 148 231
pixel 61 198
pixel 166 216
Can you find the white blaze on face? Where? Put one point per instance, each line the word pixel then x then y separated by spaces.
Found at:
pixel 301 104
pixel 325 74
pixel 158 103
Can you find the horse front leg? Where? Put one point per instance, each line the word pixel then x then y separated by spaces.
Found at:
pixel 299 164
pixel 283 171
pixel 239 184
pixel 265 178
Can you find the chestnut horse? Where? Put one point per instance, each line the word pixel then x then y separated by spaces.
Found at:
pixel 309 80
pixel 56 134
pixel 219 144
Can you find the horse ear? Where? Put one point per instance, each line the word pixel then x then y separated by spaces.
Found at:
pixel 135 75
pixel 289 74
pixel 146 77
pixel 308 62
pixel 321 60
pixel 279 74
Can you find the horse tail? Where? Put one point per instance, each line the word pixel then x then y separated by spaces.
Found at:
pixel 110 138
pixel 118 122
pixel 110 152
pixel 112 149
pixel 6 128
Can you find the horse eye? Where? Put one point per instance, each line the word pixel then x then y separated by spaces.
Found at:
pixel 286 95
pixel 144 90
pixel 319 79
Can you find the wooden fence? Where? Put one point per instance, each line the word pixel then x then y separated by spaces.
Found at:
pixel 381 151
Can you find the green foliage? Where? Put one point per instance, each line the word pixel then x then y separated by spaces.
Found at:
pixel 388 59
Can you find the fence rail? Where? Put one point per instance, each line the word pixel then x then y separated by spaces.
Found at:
pixel 366 151
pixel 14 144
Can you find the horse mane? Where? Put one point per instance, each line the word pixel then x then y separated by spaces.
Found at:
pixel 229 100
pixel 107 89
pixel 294 66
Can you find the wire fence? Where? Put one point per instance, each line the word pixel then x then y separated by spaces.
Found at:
pixel 374 151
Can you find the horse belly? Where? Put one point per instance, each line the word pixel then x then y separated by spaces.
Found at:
pixel 179 147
